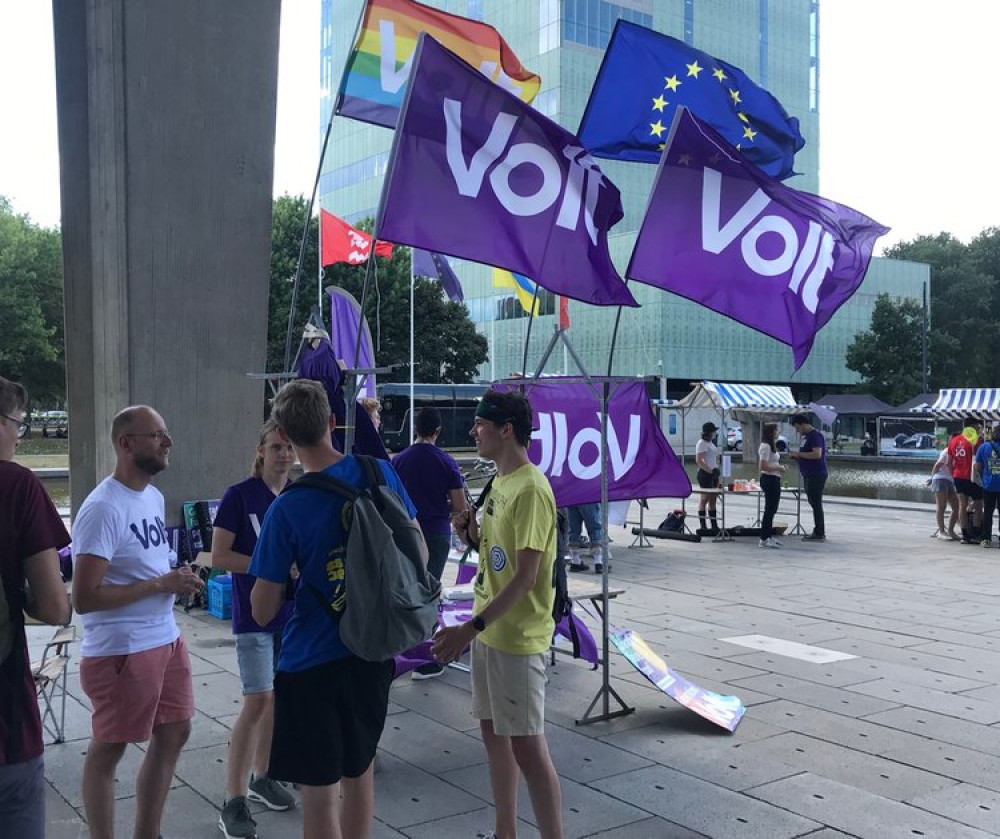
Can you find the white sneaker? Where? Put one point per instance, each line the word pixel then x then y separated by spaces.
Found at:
pixel 944 537
pixel 768 543
pixel 936 534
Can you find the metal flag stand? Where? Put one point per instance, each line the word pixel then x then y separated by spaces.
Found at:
pixel 603 387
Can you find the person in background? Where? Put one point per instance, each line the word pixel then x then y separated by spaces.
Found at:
pixel 374 409
pixel 589 515
pixel 31 533
pixel 234 538
pixel 962 451
pixel 943 486
pixel 435 486
pixel 706 455
pixel 811 457
pixel 987 470
pixel 771 471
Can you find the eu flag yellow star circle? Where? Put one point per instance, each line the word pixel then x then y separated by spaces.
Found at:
pixel 672 83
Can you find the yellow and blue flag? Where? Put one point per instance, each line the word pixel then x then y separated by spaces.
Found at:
pixel 646 75
pixel 522 286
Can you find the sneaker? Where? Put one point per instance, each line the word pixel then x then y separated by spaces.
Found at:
pixel 936 534
pixel 578 566
pixel 814 537
pixel 599 567
pixel 270 793
pixel 944 537
pixel 768 543
pixel 427 671
pixel 987 543
pixel 235 821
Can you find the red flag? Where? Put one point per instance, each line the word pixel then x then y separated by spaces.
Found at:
pixel 563 313
pixel 343 243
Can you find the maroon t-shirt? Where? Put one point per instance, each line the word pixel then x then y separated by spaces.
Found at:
pixel 29 524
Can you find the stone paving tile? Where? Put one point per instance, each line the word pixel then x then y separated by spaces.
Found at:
pixel 584 759
pixel 218 694
pixel 962 652
pixel 862 735
pixel 186 814
pixel 470 824
pixel 833 674
pixel 704 807
pixel 990 694
pixel 965 803
pixel 586 810
pixel 950 704
pixel 945 729
pixel 857 812
pixel 428 745
pixel 956 762
pixel 406 796
pixel 64 766
pixel 915 675
pixel 648 829
pixel 61 820
pixel 837 701
pixel 875 774
pixel 438 700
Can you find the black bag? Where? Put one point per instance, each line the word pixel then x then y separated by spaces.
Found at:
pixel 674 522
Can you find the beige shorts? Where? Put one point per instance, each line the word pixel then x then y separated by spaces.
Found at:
pixel 509 690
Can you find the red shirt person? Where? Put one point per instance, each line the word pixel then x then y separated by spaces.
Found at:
pixel 962 451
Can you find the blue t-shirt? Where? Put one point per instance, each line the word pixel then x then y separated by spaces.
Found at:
pixel 988 454
pixel 428 473
pixel 305 527
pixel 242 512
pixel 813 468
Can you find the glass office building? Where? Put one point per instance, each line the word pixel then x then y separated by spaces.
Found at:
pixel 776 42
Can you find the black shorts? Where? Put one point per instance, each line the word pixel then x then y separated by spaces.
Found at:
pixel 965 487
pixel 328 720
pixel 707 480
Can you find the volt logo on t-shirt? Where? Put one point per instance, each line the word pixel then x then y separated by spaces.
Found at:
pixel 152 534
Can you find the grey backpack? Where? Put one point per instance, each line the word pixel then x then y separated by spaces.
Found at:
pixel 391 599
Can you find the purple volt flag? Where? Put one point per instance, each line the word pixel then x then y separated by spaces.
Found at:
pixel 567 444
pixel 721 232
pixel 478 174
pixel 436 267
pixel 345 320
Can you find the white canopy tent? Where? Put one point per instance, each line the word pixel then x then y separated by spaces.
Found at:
pixel 960 402
pixel 749 405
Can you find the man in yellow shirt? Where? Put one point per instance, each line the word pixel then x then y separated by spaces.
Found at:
pixel 512 628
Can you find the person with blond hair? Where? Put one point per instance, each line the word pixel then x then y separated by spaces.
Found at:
pixel 237 523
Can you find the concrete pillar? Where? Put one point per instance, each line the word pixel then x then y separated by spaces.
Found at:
pixel 166 139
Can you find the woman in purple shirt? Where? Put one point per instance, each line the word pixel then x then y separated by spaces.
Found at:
pixel 234 537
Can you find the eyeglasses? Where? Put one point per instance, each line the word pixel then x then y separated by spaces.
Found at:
pixel 21 425
pixel 159 435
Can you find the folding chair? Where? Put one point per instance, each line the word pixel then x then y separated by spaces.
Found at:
pixel 50 681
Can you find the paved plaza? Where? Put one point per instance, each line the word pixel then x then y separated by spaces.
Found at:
pixel 902 739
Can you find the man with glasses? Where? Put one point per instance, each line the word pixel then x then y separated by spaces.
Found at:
pixel 31 533
pixel 134 667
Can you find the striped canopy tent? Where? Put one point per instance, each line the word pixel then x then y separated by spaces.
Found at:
pixel 745 403
pixel 960 402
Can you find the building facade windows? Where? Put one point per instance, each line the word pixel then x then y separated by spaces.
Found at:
pixel 814 56
pixel 590 22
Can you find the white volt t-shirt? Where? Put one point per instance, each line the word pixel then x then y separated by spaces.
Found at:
pixel 710 450
pixel 126 528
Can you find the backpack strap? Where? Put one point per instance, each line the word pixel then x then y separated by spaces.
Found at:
pixel 484 494
pixel 320 480
pixel 371 470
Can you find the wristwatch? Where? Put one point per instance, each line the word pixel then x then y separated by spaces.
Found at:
pixel 478 624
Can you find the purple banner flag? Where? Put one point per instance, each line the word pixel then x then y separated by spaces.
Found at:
pixel 567 444
pixel 476 173
pixel 723 233
pixel 345 319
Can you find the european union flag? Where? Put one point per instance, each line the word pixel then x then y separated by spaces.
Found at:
pixel 645 75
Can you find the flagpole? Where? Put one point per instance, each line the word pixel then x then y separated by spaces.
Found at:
pixel 412 359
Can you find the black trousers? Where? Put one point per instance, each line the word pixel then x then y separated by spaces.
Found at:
pixel 771 484
pixel 991 500
pixel 814 495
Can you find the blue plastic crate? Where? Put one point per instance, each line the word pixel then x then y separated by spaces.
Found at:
pixel 220 597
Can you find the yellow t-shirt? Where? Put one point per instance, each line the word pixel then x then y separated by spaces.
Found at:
pixel 520 514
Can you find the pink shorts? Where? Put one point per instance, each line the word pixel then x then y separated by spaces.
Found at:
pixel 133 694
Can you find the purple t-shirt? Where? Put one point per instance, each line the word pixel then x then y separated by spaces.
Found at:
pixel 29 524
pixel 241 512
pixel 813 468
pixel 428 473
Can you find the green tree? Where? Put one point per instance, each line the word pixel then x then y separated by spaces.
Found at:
pixel 448 348
pixel 31 312
pixel 888 355
pixel 964 343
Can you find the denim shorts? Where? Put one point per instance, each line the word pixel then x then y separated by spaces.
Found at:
pixel 257 656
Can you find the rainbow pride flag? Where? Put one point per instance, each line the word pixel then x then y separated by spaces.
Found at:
pixel 522 286
pixel 378 67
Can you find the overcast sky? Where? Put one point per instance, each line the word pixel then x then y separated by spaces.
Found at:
pixel 908 115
